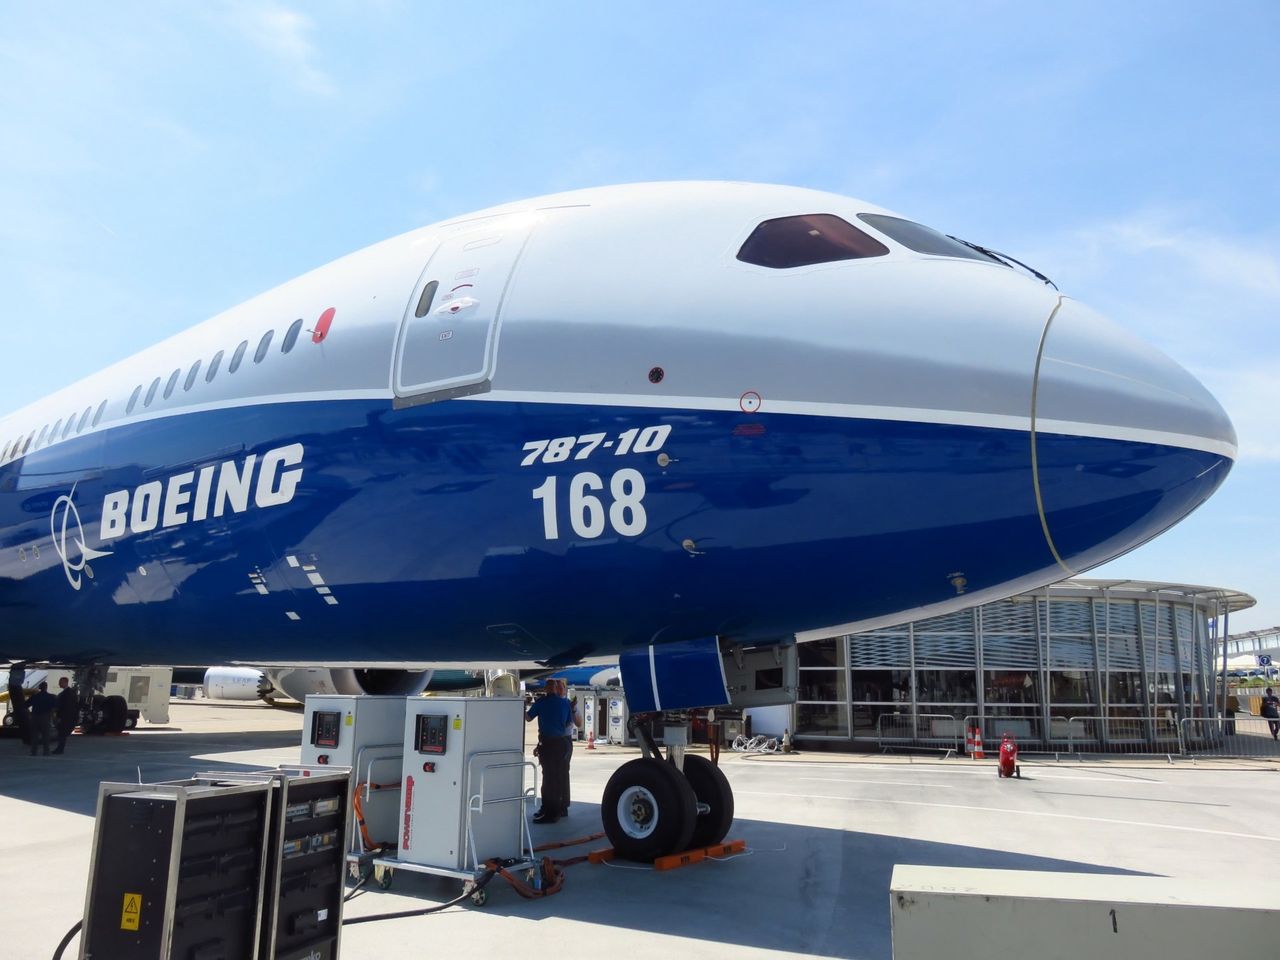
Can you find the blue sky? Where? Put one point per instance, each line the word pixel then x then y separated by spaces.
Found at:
pixel 161 162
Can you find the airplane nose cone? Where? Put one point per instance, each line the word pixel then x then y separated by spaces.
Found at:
pixel 1126 442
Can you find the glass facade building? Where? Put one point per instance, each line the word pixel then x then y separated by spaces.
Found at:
pixel 1254 642
pixel 1031 665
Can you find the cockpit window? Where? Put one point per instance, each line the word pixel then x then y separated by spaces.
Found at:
pixel 922 239
pixel 805 240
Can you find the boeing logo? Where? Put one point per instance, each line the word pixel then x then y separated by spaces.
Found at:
pixel 230 486
pixel 64 520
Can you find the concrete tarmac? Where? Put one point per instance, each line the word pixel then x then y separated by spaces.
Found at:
pixel 823 832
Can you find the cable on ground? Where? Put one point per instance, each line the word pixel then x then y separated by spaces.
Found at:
pixel 480 884
pixel 57 954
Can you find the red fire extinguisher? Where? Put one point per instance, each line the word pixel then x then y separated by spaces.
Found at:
pixel 1008 766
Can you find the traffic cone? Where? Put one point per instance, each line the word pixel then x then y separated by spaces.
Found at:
pixel 968 740
pixel 977 744
pixel 591 739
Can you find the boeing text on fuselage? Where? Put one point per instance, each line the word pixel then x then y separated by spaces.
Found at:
pixel 212 491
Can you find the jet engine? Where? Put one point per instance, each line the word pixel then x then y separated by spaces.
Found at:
pixel 299 682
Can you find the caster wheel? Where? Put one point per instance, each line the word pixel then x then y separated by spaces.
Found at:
pixel 479 897
pixel 384 880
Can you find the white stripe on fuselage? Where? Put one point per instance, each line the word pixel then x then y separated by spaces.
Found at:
pixel 855 411
pixel 844 411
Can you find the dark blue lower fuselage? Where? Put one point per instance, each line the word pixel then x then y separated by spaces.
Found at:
pixel 430 545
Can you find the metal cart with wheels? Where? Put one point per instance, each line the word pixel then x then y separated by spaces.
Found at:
pixel 494 820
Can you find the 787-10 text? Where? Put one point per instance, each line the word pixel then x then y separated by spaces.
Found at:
pixel 635 440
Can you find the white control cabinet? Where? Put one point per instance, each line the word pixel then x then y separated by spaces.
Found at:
pixel 365 733
pixel 463 783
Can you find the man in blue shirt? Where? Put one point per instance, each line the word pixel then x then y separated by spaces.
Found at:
pixel 554 715
pixel 42 705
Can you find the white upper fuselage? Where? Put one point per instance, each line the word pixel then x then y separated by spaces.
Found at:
pixel 615 281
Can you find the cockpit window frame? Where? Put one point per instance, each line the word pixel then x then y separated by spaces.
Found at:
pixel 807 240
pixel 924 240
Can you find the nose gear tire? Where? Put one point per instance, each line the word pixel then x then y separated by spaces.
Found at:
pixel 649 810
pixel 710 786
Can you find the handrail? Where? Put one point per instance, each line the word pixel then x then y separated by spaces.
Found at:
pixel 476 802
pixel 355 843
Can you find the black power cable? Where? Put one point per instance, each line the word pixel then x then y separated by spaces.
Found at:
pixel 57 954
pixel 480 885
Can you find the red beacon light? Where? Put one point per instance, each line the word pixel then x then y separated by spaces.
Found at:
pixel 322 326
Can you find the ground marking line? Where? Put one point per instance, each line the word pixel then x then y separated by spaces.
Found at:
pixel 873 783
pixel 1025 813
pixel 985 774
pixel 1103 796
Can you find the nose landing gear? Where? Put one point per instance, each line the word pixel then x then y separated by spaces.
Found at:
pixel 654 806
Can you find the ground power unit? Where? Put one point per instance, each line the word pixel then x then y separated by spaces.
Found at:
pixel 304 887
pixel 366 734
pixel 177 872
pixel 223 866
pixel 465 788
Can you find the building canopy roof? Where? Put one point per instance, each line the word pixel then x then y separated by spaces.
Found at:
pixel 1221 598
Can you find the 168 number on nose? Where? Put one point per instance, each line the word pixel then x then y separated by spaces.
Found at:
pixel 588 515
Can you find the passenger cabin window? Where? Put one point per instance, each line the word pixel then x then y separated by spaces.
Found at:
pixel 291 336
pixel 151 392
pixel 922 239
pixel 213 367
pixel 53 434
pixel 71 422
pixel 101 409
pixel 805 240
pixel 84 418
pixel 173 382
pixel 43 431
pixel 236 357
pixel 263 345
pixel 133 399
pixel 191 376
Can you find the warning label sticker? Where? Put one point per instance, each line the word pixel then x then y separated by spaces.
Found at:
pixel 130 912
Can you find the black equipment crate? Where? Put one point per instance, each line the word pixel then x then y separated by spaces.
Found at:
pixel 177 872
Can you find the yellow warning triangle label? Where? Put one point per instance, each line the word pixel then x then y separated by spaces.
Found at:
pixel 131 911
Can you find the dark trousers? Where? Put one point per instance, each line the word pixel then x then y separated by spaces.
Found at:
pixel 553 754
pixel 41 731
pixel 64 730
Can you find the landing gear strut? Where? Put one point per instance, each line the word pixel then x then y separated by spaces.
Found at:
pixel 654 806
pixel 99 713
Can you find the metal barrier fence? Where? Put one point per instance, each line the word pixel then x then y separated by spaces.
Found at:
pixel 1159 734
pixel 1083 735
pixel 1239 736
pixel 937 731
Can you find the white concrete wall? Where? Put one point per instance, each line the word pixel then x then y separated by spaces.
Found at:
pixel 965 914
